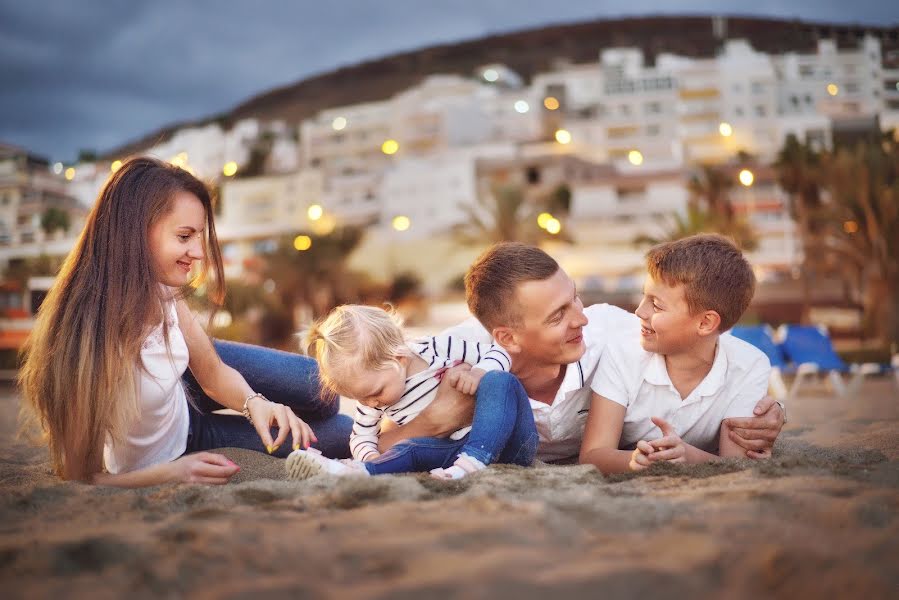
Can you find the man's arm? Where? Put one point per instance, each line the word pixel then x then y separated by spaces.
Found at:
pixel 450 411
pixel 756 435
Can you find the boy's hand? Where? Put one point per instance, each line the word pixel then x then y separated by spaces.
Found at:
pixel 669 447
pixel 465 380
pixel 640 456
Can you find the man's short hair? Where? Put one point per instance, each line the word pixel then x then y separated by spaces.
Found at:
pixel 713 271
pixel 493 279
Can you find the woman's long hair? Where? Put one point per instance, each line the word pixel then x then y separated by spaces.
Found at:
pixel 78 375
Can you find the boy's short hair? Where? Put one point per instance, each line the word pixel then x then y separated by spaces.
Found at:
pixel 492 280
pixel 713 271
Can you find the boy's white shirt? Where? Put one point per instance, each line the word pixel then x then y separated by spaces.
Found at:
pixel 560 425
pixel 638 380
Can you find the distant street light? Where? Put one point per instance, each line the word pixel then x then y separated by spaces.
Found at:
pixel 551 103
pixel 725 129
pixel 542 219
pixel 302 242
pixel 230 169
pixel 401 223
pixel 635 157
pixel 833 89
pixel 115 166
pixel 491 75
pixel 563 136
pixel 57 168
pixel 315 212
pixel 338 124
pixel 70 173
pixel 746 177
pixel 553 226
pixel 390 147
pixel 522 107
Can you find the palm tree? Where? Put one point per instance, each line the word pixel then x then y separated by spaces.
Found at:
pixel 862 230
pixel 697 220
pixel 316 277
pixel 846 203
pixel 709 210
pixel 799 173
pixel 507 215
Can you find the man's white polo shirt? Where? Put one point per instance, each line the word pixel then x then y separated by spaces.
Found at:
pixel 560 425
pixel 639 381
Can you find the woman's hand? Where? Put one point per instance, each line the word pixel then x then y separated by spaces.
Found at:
pixel 203 467
pixel 265 414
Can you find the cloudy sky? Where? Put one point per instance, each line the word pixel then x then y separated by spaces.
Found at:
pixel 91 74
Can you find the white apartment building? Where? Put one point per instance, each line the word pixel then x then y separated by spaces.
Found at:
pixel 203 150
pixel 256 211
pixel 29 188
pixel 435 193
pixel 443 112
pixel 685 110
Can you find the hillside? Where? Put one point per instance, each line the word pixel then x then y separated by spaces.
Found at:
pixel 527 52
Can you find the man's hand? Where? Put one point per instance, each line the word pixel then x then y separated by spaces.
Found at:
pixel 757 434
pixel 465 380
pixel 450 410
pixel 670 447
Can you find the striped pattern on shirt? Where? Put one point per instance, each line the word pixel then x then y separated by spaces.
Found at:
pixel 439 352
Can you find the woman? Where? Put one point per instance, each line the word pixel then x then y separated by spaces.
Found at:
pixel 102 368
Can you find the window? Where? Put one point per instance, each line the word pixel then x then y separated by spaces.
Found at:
pixel 532 175
pixel 760 111
pixel 794 101
pixel 652 130
pixel 653 108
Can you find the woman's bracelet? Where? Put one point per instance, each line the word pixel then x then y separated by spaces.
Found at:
pixel 246 404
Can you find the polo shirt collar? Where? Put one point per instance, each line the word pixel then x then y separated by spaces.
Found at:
pixel 575 377
pixel 657 373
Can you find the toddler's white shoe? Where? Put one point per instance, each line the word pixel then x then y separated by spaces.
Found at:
pixel 303 464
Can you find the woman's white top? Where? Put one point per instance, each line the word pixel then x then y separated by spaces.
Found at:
pixel 159 434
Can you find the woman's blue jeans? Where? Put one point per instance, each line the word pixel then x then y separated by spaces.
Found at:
pixel 502 431
pixel 282 377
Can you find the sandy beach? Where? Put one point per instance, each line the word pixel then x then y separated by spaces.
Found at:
pixel 819 519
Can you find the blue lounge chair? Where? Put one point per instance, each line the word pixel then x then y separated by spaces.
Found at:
pixel 762 337
pixel 810 348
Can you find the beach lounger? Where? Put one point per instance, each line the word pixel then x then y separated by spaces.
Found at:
pixel 811 350
pixel 762 337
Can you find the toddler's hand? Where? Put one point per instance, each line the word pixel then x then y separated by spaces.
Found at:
pixel 640 456
pixel 465 381
pixel 670 446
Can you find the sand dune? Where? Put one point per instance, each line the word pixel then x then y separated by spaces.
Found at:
pixel 819 518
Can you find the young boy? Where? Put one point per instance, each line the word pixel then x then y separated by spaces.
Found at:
pixel 665 398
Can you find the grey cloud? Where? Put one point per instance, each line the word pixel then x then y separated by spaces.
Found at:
pixel 97 74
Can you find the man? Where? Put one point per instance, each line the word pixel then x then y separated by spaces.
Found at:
pixel 530 306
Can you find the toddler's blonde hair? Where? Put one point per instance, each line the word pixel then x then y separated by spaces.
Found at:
pixel 354 336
